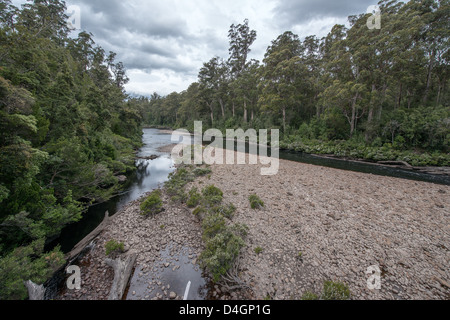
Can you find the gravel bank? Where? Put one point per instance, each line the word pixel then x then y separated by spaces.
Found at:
pixel 342 223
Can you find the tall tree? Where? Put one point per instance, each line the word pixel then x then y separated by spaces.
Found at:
pixel 283 70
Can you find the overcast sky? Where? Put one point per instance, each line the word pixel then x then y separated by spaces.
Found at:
pixel 163 44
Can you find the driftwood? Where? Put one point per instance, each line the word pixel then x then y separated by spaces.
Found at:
pixel 396 163
pixel 122 274
pixel 35 292
pixel 78 249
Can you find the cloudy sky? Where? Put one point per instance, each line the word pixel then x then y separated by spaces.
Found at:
pixel 163 44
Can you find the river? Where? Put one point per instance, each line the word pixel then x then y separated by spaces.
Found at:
pixel 152 174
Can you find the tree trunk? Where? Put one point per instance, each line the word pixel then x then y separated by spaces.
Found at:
pixel 222 106
pixel 212 113
pixel 35 292
pixel 409 98
pixel 371 112
pixel 429 76
pixel 399 99
pixel 383 98
pixel 245 111
pixel 354 116
pixel 284 119
pixel 122 274
pixel 76 251
pixel 234 109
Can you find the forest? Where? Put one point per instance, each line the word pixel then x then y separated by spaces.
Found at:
pixel 67 130
pixel 380 94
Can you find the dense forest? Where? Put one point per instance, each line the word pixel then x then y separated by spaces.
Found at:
pixel 380 94
pixel 67 130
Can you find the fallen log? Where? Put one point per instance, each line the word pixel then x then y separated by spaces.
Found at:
pixel 78 249
pixel 35 292
pixel 122 273
pixel 396 163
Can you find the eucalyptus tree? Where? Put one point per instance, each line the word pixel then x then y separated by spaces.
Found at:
pixel 208 79
pixel 282 74
pixel 241 38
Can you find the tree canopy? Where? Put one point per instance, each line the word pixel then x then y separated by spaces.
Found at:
pixel 68 129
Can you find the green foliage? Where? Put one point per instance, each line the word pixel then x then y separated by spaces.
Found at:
pixel 67 128
pixel 177 182
pixel 258 250
pixel 212 225
pixel 153 204
pixel 198 211
pixel 331 291
pixel 223 242
pixel 27 263
pixel 200 172
pixel 225 210
pixel 113 248
pixel 194 198
pixel 255 202
pixel 324 93
pixel 221 252
pixel 309 296
pixel 335 291
pixel 212 195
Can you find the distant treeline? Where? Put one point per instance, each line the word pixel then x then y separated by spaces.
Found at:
pixel 385 91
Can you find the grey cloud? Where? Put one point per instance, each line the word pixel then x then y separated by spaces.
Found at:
pixel 297 12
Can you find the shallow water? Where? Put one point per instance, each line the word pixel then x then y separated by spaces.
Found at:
pixel 176 267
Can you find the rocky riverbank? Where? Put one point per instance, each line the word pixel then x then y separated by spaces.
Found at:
pixel 340 223
pixel 318 224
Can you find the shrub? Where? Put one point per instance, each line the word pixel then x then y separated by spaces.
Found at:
pixel 153 204
pixel 177 181
pixel 220 253
pixel 331 291
pixel 199 211
pixel 259 250
pixel 256 202
pixel 201 172
pixel 227 211
pixel 212 195
pixel 212 225
pixel 309 296
pixel 194 198
pixel 335 291
pixel 113 248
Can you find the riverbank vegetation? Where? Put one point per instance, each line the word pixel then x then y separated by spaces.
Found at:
pixel 378 95
pixel 223 239
pixel 67 130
